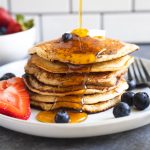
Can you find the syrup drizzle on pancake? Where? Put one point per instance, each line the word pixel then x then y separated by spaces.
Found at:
pixel 83 80
pixel 78 116
pixel 90 55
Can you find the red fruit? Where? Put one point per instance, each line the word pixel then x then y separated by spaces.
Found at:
pixel 14 99
pixel 5 18
pixel 13 28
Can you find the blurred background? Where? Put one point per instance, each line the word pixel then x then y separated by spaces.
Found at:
pixel 128 20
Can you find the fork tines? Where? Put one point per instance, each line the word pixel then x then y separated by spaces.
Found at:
pixel 138 72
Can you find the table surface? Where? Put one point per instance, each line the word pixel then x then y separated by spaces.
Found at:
pixel 138 139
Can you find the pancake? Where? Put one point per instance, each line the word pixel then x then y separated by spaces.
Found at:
pixel 107 79
pixel 38 87
pixel 85 99
pixel 84 73
pixel 84 50
pixel 121 63
pixel 93 108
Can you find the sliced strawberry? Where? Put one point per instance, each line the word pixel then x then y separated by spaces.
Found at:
pixel 14 98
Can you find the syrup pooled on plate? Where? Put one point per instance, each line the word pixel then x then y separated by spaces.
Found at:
pixel 49 116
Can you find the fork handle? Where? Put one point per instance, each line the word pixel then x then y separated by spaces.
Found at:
pixel 142 85
pixel 148 84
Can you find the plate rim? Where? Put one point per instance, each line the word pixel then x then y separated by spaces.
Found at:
pixel 78 125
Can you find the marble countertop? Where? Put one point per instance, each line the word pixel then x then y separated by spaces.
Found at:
pixel 138 139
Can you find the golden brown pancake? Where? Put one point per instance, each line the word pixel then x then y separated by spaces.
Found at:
pixel 73 79
pixel 121 63
pixel 43 89
pixel 85 50
pixel 84 73
pixel 93 108
pixel 85 99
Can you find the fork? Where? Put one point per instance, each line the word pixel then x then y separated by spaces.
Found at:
pixel 138 72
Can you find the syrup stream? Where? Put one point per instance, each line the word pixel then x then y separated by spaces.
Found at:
pixel 80 14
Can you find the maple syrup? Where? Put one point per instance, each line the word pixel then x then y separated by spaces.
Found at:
pixel 49 116
pixel 81 32
pixel 75 117
pixel 80 13
pixel 77 104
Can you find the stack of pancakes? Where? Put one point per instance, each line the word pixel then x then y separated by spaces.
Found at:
pixel 84 73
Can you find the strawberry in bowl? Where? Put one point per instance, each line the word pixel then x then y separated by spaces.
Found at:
pixel 9 25
pixel 5 18
pixel 14 98
pixel 17 35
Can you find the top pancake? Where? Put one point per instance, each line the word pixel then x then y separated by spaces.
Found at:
pixel 82 50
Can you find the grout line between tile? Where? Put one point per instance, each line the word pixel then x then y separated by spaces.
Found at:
pixel 102 21
pixel 9 5
pixel 41 27
pixel 133 5
pixel 86 13
pixel 70 6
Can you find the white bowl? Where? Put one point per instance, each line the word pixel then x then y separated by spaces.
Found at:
pixel 15 46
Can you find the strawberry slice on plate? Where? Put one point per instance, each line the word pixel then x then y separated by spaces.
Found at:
pixel 14 98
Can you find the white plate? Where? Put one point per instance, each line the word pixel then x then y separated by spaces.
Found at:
pixel 96 124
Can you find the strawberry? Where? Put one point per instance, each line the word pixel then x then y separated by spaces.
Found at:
pixel 14 98
pixel 13 28
pixel 5 18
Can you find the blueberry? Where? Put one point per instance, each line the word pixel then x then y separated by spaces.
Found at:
pixel 66 37
pixel 121 110
pixel 1 33
pixel 141 100
pixel 132 84
pixel 62 117
pixel 7 76
pixel 128 98
pixel 25 75
pixel 3 30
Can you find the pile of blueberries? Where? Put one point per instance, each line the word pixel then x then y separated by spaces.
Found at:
pixel 139 101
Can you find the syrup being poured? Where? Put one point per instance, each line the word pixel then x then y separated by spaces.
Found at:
pixel 80 14
pixel 78 103
pixel 75 117
pixel 81 32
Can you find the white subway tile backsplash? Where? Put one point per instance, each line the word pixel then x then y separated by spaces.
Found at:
pixel 55 26
pixel 103 5
pixel 142 5
pixel 37 25
pixel 40 6
pixel 128 27
pixel 54 17
pixel 4 3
